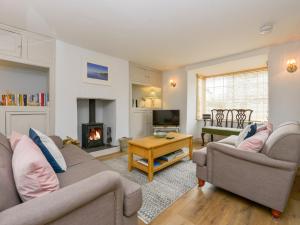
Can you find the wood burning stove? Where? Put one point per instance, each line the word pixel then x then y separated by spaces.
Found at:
pixel 92 132
pixel 92 135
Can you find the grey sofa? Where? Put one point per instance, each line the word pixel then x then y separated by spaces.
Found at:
pixel 266 177
pixel 90 194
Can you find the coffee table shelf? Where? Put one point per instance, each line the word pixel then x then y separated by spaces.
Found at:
pixel 168 163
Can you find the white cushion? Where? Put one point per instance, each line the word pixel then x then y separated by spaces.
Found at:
pixel 49 149
pixel 243 134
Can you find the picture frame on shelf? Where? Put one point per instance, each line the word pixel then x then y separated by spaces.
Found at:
pixel 96 73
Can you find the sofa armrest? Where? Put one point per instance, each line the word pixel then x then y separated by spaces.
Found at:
pixel 56 205
pixel 58 141
pixel 257 158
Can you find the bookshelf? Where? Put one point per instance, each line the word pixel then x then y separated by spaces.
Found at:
pixel 20 81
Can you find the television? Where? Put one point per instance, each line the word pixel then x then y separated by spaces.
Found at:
pixel 166 118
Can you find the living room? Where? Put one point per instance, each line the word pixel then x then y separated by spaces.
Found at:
pixel 149 112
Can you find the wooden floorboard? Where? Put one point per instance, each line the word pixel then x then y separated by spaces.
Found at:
pixel 213 206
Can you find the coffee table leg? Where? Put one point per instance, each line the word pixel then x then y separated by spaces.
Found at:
pixel 191 148
pixel 130 158
pixel 150 166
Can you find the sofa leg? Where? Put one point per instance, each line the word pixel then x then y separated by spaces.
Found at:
pixel 275 213
pixel 201 182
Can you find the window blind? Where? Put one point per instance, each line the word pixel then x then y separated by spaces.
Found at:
pixel 237 90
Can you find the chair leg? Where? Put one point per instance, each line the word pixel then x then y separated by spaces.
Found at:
pixel 275 213
pixel 201 182
pixel 202 136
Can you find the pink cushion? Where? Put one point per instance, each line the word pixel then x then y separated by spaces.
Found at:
pixel 14 139
pixel 33 174
pixel 256 142
pixel 266 125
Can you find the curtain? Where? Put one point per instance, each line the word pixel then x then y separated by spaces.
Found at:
pixel 200 96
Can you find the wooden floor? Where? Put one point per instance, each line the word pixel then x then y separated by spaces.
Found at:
pixel 213 206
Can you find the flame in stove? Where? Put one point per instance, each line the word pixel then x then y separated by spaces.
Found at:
pixel 94 135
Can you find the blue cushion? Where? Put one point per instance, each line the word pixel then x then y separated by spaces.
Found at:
pixel 49 149
pixel 252 131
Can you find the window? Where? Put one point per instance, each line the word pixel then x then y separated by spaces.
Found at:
pixel 242 90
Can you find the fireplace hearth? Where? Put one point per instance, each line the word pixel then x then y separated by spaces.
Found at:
pixel 92 132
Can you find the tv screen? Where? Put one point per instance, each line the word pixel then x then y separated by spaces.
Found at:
pixel 166 118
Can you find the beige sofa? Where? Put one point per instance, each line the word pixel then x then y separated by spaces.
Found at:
pixel 266 177
pixel 90 194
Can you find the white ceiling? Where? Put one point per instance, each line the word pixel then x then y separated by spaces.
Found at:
pixel 163 34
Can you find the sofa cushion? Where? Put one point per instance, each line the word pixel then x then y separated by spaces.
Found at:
pixel 199 157
pixel 80 171
pixel 33 174
pixel 256 142
pixel 14 139
pixel 4 142
pixel 82 165
pixel 8 193
pixel 58 141
pixel 252 130
pixel 49 149
pixel 243 134
pixel 74 155
pixel 231 140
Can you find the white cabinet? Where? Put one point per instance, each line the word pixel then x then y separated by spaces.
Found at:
pixel 26 47
pixel 141 123
pixel 155 78
pixel 10 43
pixel 139 75
pixel 39 49
pixel 20 119
pixel 145 76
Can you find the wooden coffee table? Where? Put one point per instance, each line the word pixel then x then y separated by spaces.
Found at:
pixel 151 148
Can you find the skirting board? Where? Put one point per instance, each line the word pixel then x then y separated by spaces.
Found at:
pixel 105 152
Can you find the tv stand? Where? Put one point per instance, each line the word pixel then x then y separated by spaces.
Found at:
pixel 166 129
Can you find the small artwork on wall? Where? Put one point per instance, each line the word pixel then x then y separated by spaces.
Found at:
pixel 96 73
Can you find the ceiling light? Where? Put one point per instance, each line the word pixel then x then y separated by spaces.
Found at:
pixel 266 29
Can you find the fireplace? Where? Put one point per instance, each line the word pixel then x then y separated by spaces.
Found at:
pixel 92 132
pixel 92 135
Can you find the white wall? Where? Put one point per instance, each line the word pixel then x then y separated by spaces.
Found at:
pixel 284 87
pixel 192 125
pixel 69 85
pixel 23 79
pixel 176 97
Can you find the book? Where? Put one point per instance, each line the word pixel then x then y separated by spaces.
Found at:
pixel 172 155
pixel 145 162
pixel 25 100
pixel 39 99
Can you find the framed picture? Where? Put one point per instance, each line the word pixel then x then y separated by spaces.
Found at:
pixel 96 74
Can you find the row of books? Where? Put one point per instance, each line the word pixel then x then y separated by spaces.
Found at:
pixel 160 160
pixel 39 99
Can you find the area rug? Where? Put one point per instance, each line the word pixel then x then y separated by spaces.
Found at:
pixel 168 185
